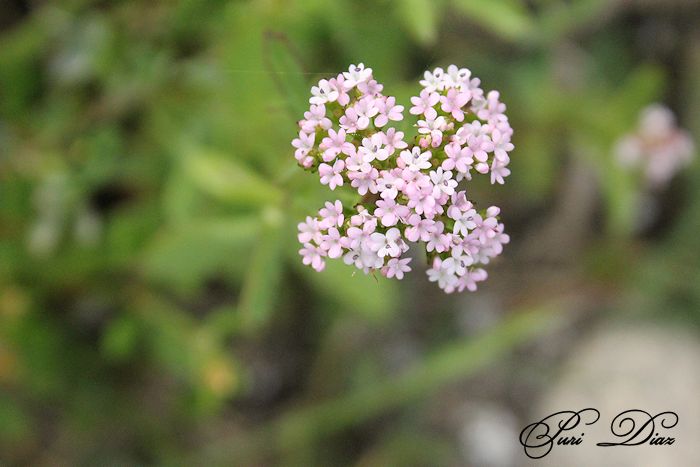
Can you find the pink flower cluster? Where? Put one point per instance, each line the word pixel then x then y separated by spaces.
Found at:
pixel 658 147
pixel 409 193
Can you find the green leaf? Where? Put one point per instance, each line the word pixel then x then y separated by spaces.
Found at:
pixel 536 164
pixel 284 65
pixel 644 86
pixel 621 198
pixel 20 79
pixel 420 19
pixel 363 36
pixel 263 274
pixel 561 18
pixel 14 422
pixel 184 256
pixel 223 322
pixel 227 180
pixel 506 18
pixel 169 331
pixel 120 338
pixel 180 197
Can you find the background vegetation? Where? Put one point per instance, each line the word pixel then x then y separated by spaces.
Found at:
pixel 153 307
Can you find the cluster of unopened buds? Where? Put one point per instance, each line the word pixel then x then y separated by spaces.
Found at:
pixel 407 193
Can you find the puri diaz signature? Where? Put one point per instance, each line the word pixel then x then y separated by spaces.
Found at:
pixel 567 428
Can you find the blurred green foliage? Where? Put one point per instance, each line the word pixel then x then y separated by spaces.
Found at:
pixel 149 201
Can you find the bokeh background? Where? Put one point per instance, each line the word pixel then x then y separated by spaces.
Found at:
pixel 153 306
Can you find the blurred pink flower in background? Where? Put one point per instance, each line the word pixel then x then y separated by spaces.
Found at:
pixel 658 148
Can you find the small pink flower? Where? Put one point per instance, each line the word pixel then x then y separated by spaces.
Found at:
pixel 423 202
pixel 365 109
pixel 457 77
pixel 420 229
pixel 331 215
pixel 370 88
pixel 474 128
pixel 453 151
pixel 414 159
pixel 349 121
pixel 499 171
pixel 354 257
pixel 443 182
pixel 309 231
pixel 440 274
pixel 491 109
pixel 388 110
pixel 304 143
pixel 393 140
pixel 434 128
pixel 423 105
pixel 355 163
pixel 396 267
pixel 501 144
pixel 470 279
pixel 362 216
pixel 315 117
pixel 389 213
pixel 357 236
pixel 438 241
pixel 415 182
pixel 453 103
pixel 459 205
pixel 373 148
pixel 465 222
pixel 323 93
pixel 356 74
pixel 313 256
pixel 434 81
pixel 389 244
pixel 338 84
pixel 334 144
pixel 478 147
pixel 458 158
pixel 388 184
pixel 332 175
pixel 364 181
pixel 458 265
pixel 331 243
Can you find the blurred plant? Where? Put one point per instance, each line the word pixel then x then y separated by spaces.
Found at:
pixel 657 148
pixel 151 297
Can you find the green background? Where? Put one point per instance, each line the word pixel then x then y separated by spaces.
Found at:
pixel 153 306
